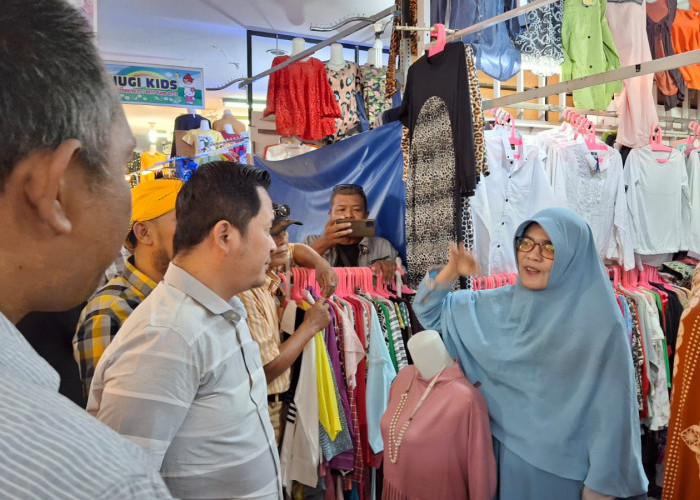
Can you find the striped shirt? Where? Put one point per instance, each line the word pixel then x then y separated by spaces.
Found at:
pixel 51 448
pixel 263 322
pixel 104 314
pixel 184 379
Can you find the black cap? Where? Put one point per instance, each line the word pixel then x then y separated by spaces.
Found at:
pixel 282 220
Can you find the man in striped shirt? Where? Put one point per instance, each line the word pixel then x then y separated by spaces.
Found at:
pixel 263 308
pixel 151 241
pixel 64 211
pixel 183 377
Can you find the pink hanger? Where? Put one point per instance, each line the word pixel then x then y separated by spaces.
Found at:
pixel 695 128
pixel 438 31
pixel 590 139
pixel 657 145
pixel 514 140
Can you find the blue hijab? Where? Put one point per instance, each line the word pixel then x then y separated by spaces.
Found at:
pixel 555 365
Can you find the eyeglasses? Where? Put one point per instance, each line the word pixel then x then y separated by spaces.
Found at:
pixel 281 211
pixel 355 187
pixel 525 245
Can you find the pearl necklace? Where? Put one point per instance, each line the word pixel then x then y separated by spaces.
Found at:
pixel 394 441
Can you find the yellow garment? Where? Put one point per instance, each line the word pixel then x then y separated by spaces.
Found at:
pixel 153 199
pixel 147 161
pixel 204 141
pixel 328 413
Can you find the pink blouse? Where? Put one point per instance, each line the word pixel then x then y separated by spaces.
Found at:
pixel 446 452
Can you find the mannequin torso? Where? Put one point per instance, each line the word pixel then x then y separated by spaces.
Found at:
pixel 298 46
pixel 429 353
pixel 337 60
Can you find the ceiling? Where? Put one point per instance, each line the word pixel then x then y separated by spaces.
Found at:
pixel 211 34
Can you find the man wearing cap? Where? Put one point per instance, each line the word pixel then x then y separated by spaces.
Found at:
pixel 150 239
pixel 263 305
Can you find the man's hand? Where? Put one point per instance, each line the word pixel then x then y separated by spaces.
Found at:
pixel 386 267
pixel 327 278
pixel 336 231
pixel 317 318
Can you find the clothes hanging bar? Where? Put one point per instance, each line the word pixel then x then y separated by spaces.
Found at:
pixel 243 82
pixel 662 64
pixel 474 28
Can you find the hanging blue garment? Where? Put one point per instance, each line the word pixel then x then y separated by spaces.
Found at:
pixel 372 159
pixel 495 53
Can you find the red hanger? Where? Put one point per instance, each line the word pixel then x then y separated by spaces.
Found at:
pixel 437 32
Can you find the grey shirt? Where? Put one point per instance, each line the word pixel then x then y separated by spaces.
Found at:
pixel 372 248
pixel 184 379
pixel 51 448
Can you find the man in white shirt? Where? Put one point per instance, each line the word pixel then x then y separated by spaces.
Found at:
pixel 183 377
pixel 64 212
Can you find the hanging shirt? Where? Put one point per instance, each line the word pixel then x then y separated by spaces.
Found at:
pixel 693 168
pixel 442 78
pixel 592 185
pixel 373 80
pixel 495 54
pixel 660 16
pixel 203 140
pixel 302 100
pixel 658 200
pixel 540 42
pixel 588 49
pixel 345 85
pixel 300 453
pixel 515 190
pixel 636 104
pixel 685 36
pixel 380 375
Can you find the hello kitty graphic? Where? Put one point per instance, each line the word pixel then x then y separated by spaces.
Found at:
pixel 189 95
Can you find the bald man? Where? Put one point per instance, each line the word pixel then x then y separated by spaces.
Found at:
pixel 150 239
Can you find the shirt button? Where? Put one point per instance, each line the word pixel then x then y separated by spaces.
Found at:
pixel 589 36
pixel 498 246
pixel 591 66
pixel 506 200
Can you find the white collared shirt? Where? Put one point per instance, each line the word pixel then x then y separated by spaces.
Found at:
pixel 515 190
pixel 184 379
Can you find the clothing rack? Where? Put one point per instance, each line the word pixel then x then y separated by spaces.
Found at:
pixel 474 28
pixel 662 64
pixel 243 82
pixel 221 148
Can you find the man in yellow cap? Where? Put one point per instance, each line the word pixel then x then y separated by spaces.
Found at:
pixel 150 240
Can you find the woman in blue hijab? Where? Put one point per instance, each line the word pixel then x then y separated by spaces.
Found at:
pixel 551 358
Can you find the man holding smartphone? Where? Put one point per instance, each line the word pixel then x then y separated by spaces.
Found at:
pixel 348 238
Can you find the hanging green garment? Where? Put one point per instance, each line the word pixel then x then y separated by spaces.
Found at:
pixel 588 49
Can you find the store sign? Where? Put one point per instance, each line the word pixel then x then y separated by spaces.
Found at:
pixel 158 85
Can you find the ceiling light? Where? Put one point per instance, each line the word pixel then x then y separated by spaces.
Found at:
pixel 276 51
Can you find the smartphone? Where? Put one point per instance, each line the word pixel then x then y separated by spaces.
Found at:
pixel 361 227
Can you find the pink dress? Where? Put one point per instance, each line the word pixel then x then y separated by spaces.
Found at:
pixel 636 106
pixel 446 452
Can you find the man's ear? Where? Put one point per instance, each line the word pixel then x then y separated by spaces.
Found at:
pixel 226 236
pixel 45 184
pixel 143 235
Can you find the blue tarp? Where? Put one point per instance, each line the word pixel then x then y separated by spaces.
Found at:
pixel 372 159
